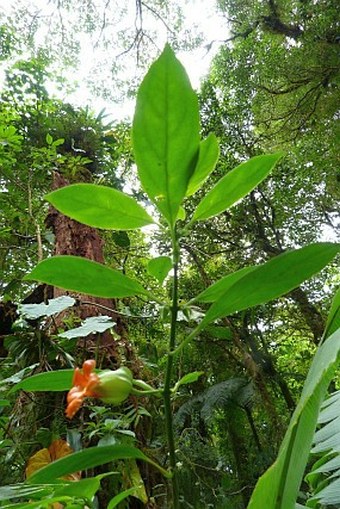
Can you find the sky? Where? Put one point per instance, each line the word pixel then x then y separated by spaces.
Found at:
pixel 96 64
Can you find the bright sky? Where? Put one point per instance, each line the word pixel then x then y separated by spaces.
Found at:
pixel 199 13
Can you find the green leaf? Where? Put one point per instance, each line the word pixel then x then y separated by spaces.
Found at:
pixel 274 278
pixel 84 488
pixel 89 458
pixel 60 380
pixel 166 133
pixel 84 276
pixel 100 207
pixel 333 320
pixel 219 332
pixel 235 185
pixel 34 311
pixel 159 267
pixel 279 486
pixel 188 379
pixel 218 289
pixel 21 490
pixel 120 497
pixel 90 325
pixel 49 139
pixel 207 158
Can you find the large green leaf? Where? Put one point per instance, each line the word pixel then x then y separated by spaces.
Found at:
pixel 84 276
pixel 100 207
pixel 274 278
pixel 279 486
pixel 166 133
pixel 89 458
pixel 207 158
pixel 235 185
pixel 60 380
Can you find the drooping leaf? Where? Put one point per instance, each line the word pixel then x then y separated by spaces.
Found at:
pixel 60 380
pixel 90 458
pixel 100 207
pixel 207 158
pixel 235 185
pixel 159 267
pixel 54 306
pixel 274 278
pixel 84 276
pixel 166 133
pixel 279 486
pixel 90 325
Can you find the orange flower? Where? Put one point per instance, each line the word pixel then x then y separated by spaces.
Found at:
pixel 84 384
pixel 112 387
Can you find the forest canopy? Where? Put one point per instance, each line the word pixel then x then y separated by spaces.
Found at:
pixel 169 314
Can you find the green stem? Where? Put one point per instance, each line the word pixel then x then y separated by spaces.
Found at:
pixel 167 382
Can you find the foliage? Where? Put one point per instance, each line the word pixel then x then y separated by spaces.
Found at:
pixel 157 146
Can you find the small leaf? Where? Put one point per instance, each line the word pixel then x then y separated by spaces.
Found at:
pixel 207 158
pixel 54 306
pixel 166 133
pixel 120 497
pixel 159 267
pixel 90 458
pixel 189 379
pixel 235 185
pixel 274 278
pixel 100 207
pixel 84 276
pixel 49 139
pixel 90 325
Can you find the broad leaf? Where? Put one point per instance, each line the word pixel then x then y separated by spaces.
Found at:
pixel 90 325
pixel 274 278
pixel 60 380
pixel 100 207
pixel 235 185
pixel 90 458
pixel 159 267
pixel 279 486
pixel 34 311
pixel 84 276
pixel 166 133
pixel 207 158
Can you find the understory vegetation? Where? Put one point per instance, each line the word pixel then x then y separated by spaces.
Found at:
pixel 169 312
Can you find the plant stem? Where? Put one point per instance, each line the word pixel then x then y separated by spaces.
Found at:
pixel 167 382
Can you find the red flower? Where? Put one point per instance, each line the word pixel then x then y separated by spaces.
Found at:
pixel 84 384
pixel 112 387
